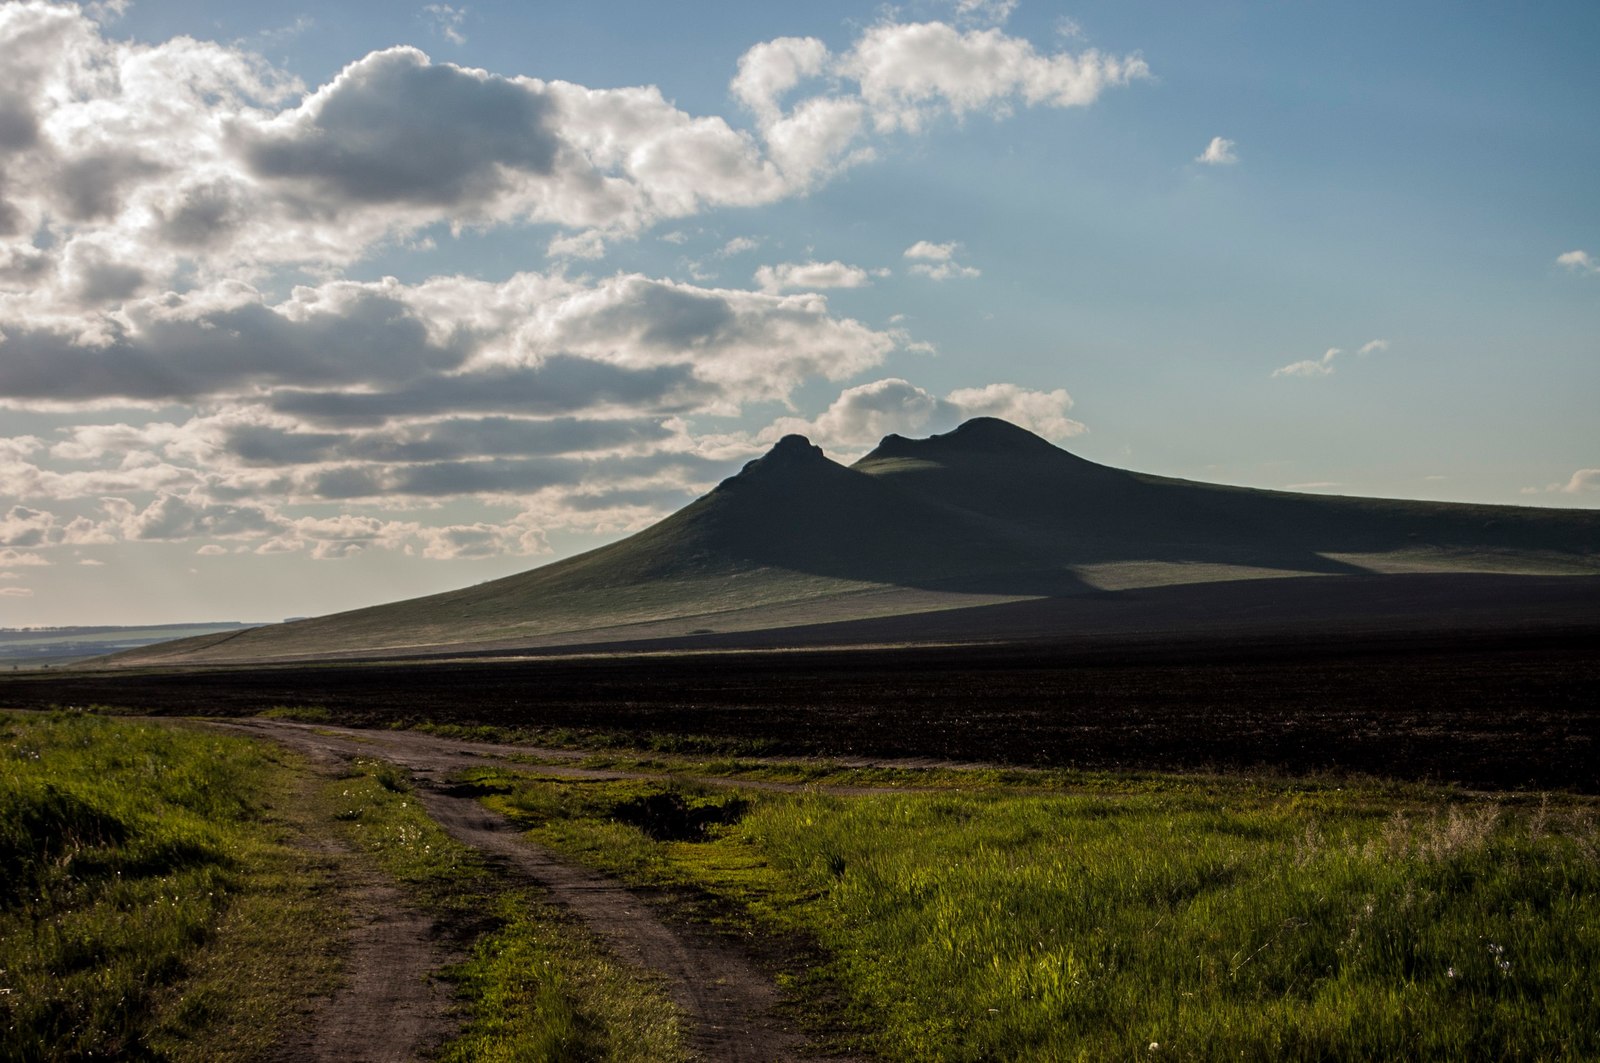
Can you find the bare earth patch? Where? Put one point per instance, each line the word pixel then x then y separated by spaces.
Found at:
pixel 729 1003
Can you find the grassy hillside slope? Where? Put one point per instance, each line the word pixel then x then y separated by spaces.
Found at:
pixel 986 513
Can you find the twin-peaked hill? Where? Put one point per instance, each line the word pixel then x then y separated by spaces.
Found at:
pixel 985 514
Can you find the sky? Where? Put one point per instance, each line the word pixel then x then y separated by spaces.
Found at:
pixel 304 311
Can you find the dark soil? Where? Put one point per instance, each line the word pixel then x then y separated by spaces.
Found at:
pixel 1483 708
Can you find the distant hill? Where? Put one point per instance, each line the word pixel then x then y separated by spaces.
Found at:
pixel 986 514
pixel 46 647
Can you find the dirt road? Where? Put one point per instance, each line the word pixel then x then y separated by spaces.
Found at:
pixel 728 1002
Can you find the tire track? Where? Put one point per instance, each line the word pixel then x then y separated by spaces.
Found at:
pixel 729 1004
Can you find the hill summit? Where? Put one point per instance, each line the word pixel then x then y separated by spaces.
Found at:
pixel 988 512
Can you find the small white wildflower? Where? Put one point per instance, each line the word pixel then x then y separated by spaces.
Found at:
pixel 1155 1046
pixel 1451 973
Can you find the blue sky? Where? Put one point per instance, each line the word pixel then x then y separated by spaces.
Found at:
pixel 304 311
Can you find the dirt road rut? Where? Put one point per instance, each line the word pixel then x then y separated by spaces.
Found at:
pixel 729 1004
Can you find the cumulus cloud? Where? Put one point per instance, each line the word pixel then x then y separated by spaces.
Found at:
pixel 1578 262
pixel 358 340
pixel 937 261
pixel 1042 412
pixel 864 414
pixel 146 163
pixel 1220 152
pixel 224 340
pixel 770 70
pixel 790 276
pixel 908 74
pixel 171 517
pixel 1581 482
pixel 929 251
pixel 943 271
pixel 159 200
pixel 10 558
pixel 901 77
pixel 23 526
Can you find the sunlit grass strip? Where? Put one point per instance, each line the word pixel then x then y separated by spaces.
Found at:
pixel 1283 929
pixel 147 905
pixel 1214 921
pixel 538 986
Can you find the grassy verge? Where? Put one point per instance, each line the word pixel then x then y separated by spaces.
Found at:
pixel 153 904
pixel 592 738
pixel 1165 917
pixel 537 985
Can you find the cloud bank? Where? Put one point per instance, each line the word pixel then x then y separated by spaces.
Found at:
pixel 178 221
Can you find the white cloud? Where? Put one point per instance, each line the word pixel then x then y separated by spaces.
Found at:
pixel 22 526
pixel 156 165
pixel 864 414
pixel 1578 262
pixel 791 276
pixel 10 558
pixel 1041 412
pixel 16 592
pixel 929 251
pixel 1220 152
pixel 989 12
pixel 588 244
pixel 1311 367
pixel 901 76
pixel 281 35
pixel 447 21
pixel 726 345
pixel 1581 482
pixel 907 74
pixel 937 261
pixel 158 199
pixel 1317 367
pixel 944 271
pixel 771 69
pixel 738 246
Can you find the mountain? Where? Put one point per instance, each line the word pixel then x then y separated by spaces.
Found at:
pixel 986 514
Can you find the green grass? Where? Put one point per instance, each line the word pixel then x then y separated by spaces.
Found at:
pixel 301 713
pixel 156 904
pixel 151 892
pixel 626 743
pixel 537 985
pixel 1214 919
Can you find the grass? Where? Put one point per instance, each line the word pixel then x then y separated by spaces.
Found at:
pixel 153 903
pixel 536 985
pixel 300 713
pixel 1212 919
pixel 626 743
pixel 156 904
